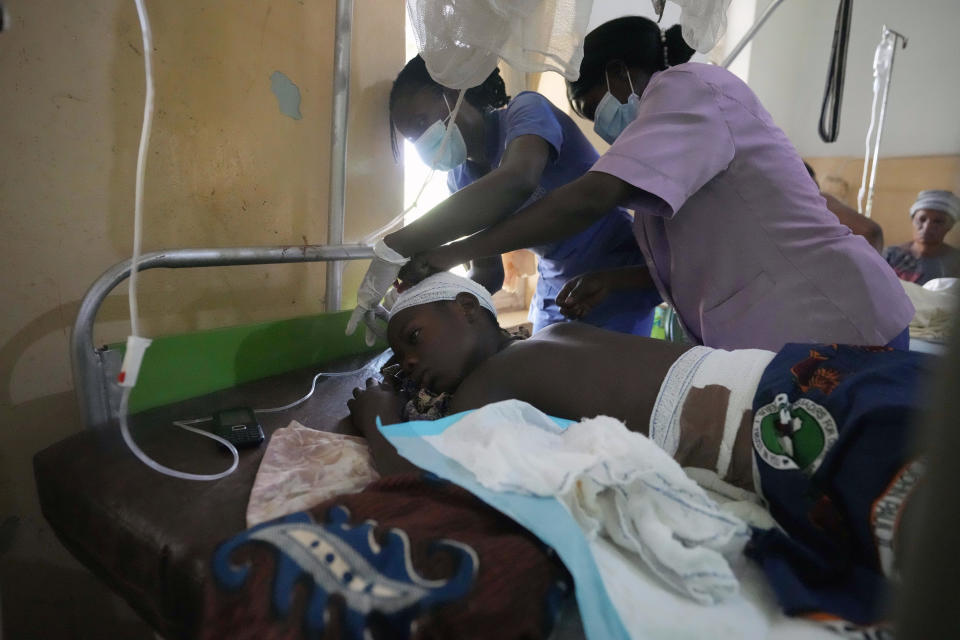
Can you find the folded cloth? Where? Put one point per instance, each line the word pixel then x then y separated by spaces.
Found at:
pixel 613 481
pixel 940 284
pixel 302 467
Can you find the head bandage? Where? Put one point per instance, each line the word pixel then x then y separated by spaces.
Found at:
pixel 442 286
pixel 937 200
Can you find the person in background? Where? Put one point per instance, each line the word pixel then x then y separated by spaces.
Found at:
pixel 860 225
pixel 737 237
pixel 927 256
pixel 503 154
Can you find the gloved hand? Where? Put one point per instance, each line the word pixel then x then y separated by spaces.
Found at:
pixel 383 271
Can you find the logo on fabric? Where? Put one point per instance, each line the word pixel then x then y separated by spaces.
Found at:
pixel 793 436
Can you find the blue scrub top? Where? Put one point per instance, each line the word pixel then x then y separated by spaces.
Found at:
pixel 607 244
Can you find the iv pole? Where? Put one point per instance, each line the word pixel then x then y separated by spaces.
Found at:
pixel 748 36
pixel 886 33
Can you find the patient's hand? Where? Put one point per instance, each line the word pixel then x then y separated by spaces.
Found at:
pixel 377 399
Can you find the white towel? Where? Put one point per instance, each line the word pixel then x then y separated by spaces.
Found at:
pixel 614 482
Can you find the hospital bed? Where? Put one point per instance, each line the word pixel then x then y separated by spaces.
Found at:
pixel 150 537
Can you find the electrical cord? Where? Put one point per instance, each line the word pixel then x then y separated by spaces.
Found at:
pixel 829 126
pixel 331 374
pixel 136 344
pixel 185 424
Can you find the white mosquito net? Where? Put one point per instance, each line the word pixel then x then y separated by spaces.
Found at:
pixel 462 40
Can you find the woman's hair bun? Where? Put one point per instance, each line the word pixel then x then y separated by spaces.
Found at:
pixel 678 51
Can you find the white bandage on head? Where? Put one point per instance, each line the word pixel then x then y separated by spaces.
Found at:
pixel 937 200
pixel 442 286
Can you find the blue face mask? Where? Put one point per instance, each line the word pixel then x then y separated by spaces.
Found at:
pixel 429 143
pixel 612 117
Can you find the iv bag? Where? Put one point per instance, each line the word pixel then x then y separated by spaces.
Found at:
pixel 883 60
pixel 462 40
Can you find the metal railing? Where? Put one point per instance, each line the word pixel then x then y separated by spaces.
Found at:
pixel 87 362
pixel 338 146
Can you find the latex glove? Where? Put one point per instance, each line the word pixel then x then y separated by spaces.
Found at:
pixel 390 298
pixel 380 275
pixel 375 321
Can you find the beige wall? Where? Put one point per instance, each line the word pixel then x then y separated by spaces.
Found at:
pixel 225 168
pixel 898 181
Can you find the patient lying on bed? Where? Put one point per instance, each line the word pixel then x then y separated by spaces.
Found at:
pixel 820 432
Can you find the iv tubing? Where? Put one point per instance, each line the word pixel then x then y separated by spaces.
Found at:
pixel 137 238
pixel 313 386
pixel 141 164
pixel 184 424
pixel 866 155
pixel 882 116
pixel 134 311
pixel 372 237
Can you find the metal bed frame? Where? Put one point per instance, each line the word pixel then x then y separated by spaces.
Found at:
pixel 94 369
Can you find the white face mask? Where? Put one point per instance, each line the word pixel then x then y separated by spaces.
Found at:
pixel 611 116
pixel 429 143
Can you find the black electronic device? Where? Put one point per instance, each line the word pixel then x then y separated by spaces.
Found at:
pixel 238 426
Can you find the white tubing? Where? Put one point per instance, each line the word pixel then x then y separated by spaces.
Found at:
pixel 372 237
pixel 866 154
pixel 882 70
pixel 141 164
pixel 313 386
pixel 134 267
pixel 156 466
pixel 185 424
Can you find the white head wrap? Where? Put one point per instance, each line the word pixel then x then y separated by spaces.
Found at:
pixel 937 200
pixel 442 286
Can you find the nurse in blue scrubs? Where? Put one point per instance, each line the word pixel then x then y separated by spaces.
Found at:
pixel 501 155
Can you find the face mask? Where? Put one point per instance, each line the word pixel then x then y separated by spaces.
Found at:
pixel 428 145
pixel 612 117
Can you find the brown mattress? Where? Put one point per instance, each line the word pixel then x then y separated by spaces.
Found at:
pixel 150 536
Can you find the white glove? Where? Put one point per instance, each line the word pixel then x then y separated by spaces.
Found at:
pixel 382 273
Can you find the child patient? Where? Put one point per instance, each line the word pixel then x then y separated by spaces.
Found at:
pixel 822 433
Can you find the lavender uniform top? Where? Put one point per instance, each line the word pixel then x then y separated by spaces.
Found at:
pixel 738 237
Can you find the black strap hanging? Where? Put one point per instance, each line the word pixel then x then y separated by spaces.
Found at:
pixel 833 93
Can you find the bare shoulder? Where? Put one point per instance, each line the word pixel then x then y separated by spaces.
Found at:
pixel 501 377
pixel 527 367
pixel 579 333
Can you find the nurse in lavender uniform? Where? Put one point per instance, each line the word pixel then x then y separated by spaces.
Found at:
pixel 737 237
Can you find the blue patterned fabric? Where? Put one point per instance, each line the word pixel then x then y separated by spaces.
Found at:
pixel 835 460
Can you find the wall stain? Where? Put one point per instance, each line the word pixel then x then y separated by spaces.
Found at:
pixel 287 93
